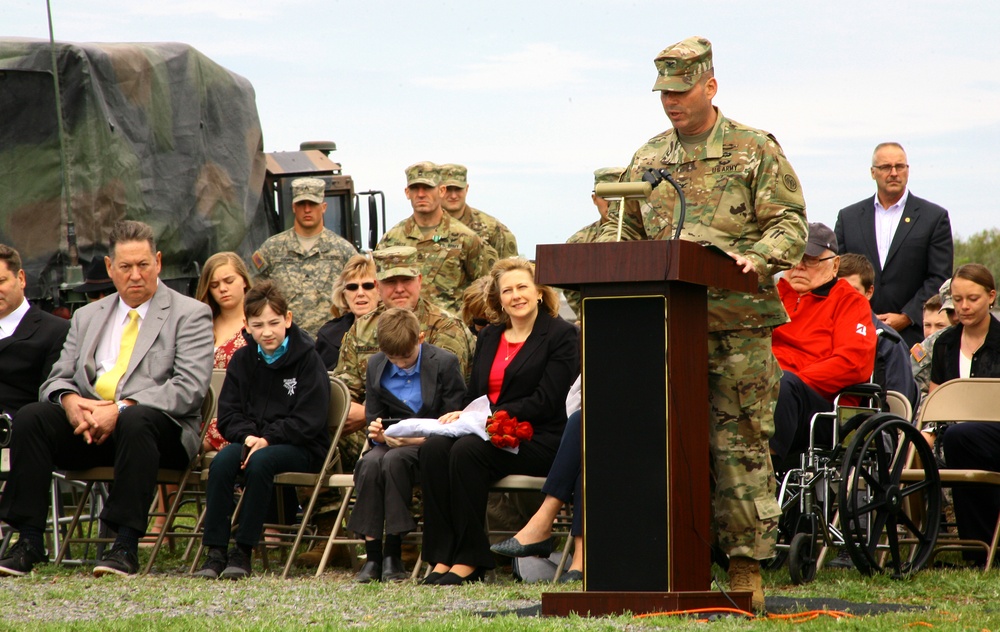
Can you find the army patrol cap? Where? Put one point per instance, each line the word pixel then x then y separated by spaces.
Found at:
pixel 423 173
pixel 396 261
pixel 608 174
pixel 680 66
pixel 821 239
pixel 454 176
pixel 310 189
pixel 945 293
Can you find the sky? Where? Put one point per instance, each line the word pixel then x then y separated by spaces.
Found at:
pixel 534 96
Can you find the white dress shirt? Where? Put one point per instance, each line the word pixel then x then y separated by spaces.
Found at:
pixel 10 322
pixel 886 223
pixel 111 337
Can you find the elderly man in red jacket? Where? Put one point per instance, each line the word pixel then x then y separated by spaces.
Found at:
pixel 828 345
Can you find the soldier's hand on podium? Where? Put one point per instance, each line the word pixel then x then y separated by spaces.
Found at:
pixel 743 262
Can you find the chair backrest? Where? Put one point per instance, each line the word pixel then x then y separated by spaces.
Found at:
pixel 218 377
pixel 970 399
pixel 340 404
pixel 899 405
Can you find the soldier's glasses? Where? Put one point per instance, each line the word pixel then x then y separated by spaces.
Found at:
pixel 353 287
pixel 812 262
pixel 888 168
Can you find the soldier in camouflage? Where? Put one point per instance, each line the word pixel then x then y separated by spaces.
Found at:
pixel 449 255
pixel 398 280
pixel 743 197
pixel 589 233
pixel 454 178
pixel 922 352
pixel 399 284
pixel 305 259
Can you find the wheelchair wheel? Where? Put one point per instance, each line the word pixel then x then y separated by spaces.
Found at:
pixel 802 559
pixel 890 525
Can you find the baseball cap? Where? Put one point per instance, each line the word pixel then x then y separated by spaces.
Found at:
pixel 820 238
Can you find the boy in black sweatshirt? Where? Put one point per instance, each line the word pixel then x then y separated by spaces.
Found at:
pixel 273 411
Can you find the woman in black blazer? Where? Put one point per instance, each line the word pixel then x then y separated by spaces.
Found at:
pixel 525 363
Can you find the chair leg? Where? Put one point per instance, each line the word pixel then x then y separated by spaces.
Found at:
pixel 341 514
pixel 171 513
pixel 991 555
pixel 75 521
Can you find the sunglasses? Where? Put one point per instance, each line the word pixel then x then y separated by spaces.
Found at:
pixel 353 287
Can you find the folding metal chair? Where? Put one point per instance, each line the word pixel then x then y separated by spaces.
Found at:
pixel 93 477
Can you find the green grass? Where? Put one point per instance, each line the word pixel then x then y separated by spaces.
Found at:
pixel 57 598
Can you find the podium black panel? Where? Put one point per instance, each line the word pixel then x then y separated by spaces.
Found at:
pixel 625 477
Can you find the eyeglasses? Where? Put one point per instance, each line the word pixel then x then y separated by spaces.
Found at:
pixel 813 262
pixel 888 168
pixel 353 287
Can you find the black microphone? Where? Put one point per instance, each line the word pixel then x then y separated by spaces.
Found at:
pixel 654 177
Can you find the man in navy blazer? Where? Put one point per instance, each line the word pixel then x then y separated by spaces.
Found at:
pixel 30 339
pixel 147 418
pixel 907 239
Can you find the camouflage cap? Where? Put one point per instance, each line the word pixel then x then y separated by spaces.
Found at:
pixel 945 293
pixel 681 65
pixel 423 173
pixel 453 175
pixel 396 261
pixel 311 189
pixel 608 174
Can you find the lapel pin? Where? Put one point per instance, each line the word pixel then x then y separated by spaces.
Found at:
pixel 906 219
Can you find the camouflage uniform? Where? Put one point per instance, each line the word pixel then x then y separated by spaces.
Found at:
pixel 743 197
pixel 922 352
pixel 361 342
pixel 306 278
pixel 920 361
pixel 450 258
pixel 493 233
pixel 586 235
pixel 589 233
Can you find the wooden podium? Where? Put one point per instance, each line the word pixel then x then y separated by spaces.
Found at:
pixel 646 496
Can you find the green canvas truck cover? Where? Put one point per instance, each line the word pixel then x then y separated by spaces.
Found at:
pixel 153 132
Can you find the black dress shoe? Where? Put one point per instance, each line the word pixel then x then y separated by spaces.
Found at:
pixel 431 579
pixel 393 569
pixel 451 579
pixel 512 548
pixel 370 572
pixel 571 576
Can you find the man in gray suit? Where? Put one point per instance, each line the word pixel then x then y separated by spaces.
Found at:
pixel 126 391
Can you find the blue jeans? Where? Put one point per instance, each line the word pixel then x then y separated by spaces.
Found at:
pixel 258 482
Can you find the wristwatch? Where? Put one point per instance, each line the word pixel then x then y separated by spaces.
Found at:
pixel 121 406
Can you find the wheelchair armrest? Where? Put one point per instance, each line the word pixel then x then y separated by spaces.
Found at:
pixel 865 390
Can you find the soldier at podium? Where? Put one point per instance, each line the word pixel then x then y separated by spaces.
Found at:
pixel 743 197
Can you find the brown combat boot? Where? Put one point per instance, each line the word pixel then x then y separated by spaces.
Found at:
pixel 341 555
pixel 744 576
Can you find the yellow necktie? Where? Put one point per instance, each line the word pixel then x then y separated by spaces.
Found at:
pixel 107 385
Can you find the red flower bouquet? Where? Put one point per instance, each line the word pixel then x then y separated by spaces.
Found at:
pixel 506 431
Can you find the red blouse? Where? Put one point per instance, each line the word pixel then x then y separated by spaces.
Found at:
pixel 505 355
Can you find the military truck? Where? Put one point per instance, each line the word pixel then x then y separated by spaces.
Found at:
pixel 153 132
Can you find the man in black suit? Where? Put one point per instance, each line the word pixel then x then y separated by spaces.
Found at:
pixel 30 339
pixel 907 239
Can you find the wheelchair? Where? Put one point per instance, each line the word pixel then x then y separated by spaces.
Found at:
pixel 849 493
